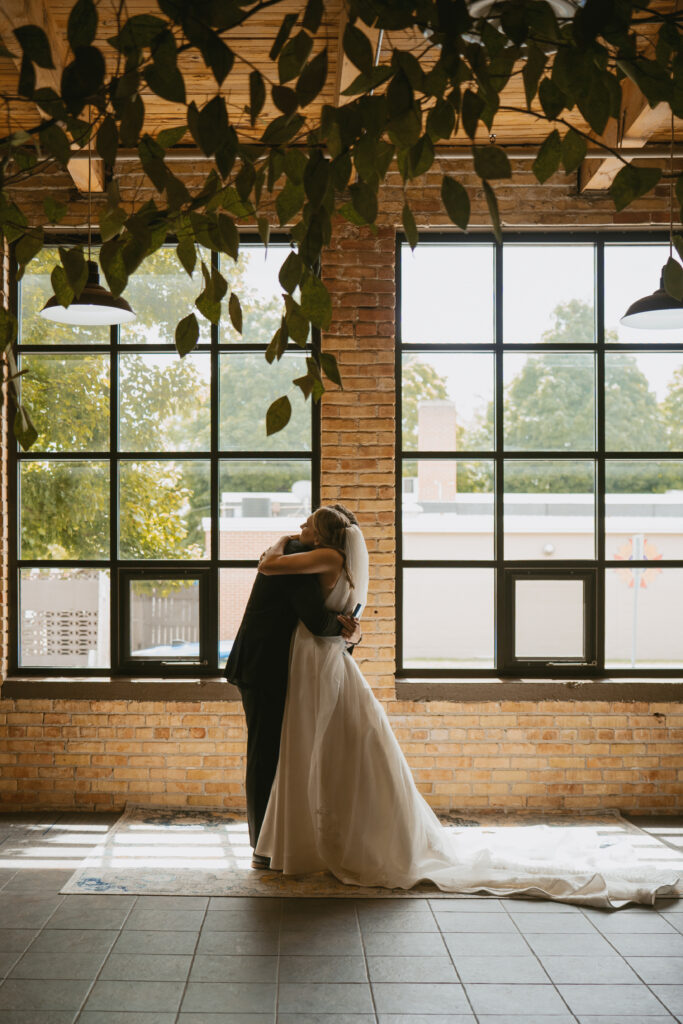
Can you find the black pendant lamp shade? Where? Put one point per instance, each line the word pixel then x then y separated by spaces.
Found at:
pixel 94 306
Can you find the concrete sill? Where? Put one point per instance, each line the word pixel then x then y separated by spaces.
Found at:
pixel 480 690
pixel 117 688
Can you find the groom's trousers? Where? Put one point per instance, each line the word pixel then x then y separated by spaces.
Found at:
pixel 263 709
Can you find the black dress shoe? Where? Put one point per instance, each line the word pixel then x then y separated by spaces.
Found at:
pixel 260 862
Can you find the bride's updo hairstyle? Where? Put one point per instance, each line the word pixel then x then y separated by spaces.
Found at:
pixel 329 526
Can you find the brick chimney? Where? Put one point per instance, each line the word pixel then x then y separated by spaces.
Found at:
pixel 436 431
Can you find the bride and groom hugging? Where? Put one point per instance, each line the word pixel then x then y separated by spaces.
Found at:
pixel 328 787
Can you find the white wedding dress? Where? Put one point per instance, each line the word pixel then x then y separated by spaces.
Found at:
pixel 344 799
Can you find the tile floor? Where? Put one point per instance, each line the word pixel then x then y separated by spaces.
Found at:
pixel 235 960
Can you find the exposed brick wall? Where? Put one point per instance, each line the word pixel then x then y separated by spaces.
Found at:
pixel 555 754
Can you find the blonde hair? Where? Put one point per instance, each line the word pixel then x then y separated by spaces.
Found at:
pixel 329 527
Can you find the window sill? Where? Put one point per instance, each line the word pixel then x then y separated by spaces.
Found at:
pixel 481 690
pixel 119 688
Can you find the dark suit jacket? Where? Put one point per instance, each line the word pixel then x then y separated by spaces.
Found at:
pixel 260 653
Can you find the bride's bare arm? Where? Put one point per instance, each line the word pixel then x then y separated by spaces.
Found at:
pixel 319 560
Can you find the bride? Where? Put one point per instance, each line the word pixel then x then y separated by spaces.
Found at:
pixel 344 799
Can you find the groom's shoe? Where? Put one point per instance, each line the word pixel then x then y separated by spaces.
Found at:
pixel 260 862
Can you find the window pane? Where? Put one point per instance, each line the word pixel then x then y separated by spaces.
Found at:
pixel 632 270
pixel 259 501
pixel 447 401
pixel 34 291
pixel 68 396
pixel 447 294
pixel 549 619
pixel 448 618
pixel 235 587
pixel 255 279
pixel 161 294
pixel 248 385
pixel 548 294
pixel 64 509
pixel 64 618
pixel 549 509
pixel 164 402
pixel 164 618
pixel 165 509
pixel 643 618
pixel 447 509
pixel 643 401
pixel 549 401
pixel 644 509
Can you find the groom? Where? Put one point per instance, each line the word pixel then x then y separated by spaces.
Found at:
pixel 259 665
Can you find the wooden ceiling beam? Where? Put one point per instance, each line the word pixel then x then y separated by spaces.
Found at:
pixel 14 13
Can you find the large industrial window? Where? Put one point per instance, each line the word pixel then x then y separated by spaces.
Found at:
pixel 142 509
pixel 540 475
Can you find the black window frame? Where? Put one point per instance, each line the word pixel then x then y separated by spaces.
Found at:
pixel 207 569
pixel 504 666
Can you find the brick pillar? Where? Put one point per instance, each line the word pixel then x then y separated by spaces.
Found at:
pixel 358 424
pixel 4 443
pixel 436 431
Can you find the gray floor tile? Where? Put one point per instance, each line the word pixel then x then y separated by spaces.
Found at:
pixel 528 1018
pixel 469 904
pixel 227 1018
pixel 627 1000
pixel 528 905
pixel 125 1017
pixel 488 944
pixel 170 943
pixel 94 917
pixel 671 996
pixel 415 969
pixel 515 999
pixel 215 967
pixel 16 939
pixel 461 921
pixel 58 965
pixel 664 1018
pixel 242 920
pixel 20 994
pixel 323 1018
pixel 322 969
pixel 72 940
pixel 556 924
pixel 146 967
pixel 395 921
pixel 223 997
pixel 625 922
pixel 8 959
pixel 238 943
pixel 549 944
pixel 324 998
pixel 648 945
pixel 425 1018
pixel 404 944
pixel 251 902
pixel 51 879
pixel 171 902
pixel 152 996
pixel 147 918
pixel 320 944
pixel 665 970
pixel 97 901
pixel 589 970
pixel 23 911
pixel 36 1016
pixel 518 970
pixel 421 999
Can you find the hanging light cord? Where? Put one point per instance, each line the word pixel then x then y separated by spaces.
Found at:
pixel 89 181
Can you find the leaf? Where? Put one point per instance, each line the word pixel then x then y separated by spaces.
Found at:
pixel 54 211
pixel 456 201
pixel 290 272
pixel 278 415
pixel 61 287
pixel 316 303
pixel 364 200
pixel 409 226
pixel 316 179
pixel 293 57
pixel 534 66
pixel 472 106
pixel 75 268
pixel 263 225
pixel 330 368
pixel 27 78
pixel 107 140
pixel 24 430
pixel 548 158
pixel 298 326
pixel 289 201
pixel 187 255
pixel 285 99
pixel 492 204
pixel 573 150
pixel 631 183
pixel 551 99
pixel 170 137
pixel 82 78
pixel 113 265
pixel 277 345
pixel 235 311
pixel 213 125
pixel 286 26
pixel 217 56
pixel 358 48
pixel 257 95
pixel 138 31
pixel 166 82
pixel 82 24
pixel 111 220
pixel 491 162
pixel 312 79
pixel 313 16
pixel 440 121
pixel 131 122
pixel 186 334
pixel 56 143
pixel 678 245
pixel 8 328
pixel 35 45
pixel 363 83
pixel 672 275
pixel 229 235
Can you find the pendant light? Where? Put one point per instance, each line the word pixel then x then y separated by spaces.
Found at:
pixel 659 311
pixel 95 306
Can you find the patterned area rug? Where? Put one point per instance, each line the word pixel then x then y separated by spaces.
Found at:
pixel 194 852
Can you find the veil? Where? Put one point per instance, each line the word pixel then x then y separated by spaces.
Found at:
pixel 357 562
